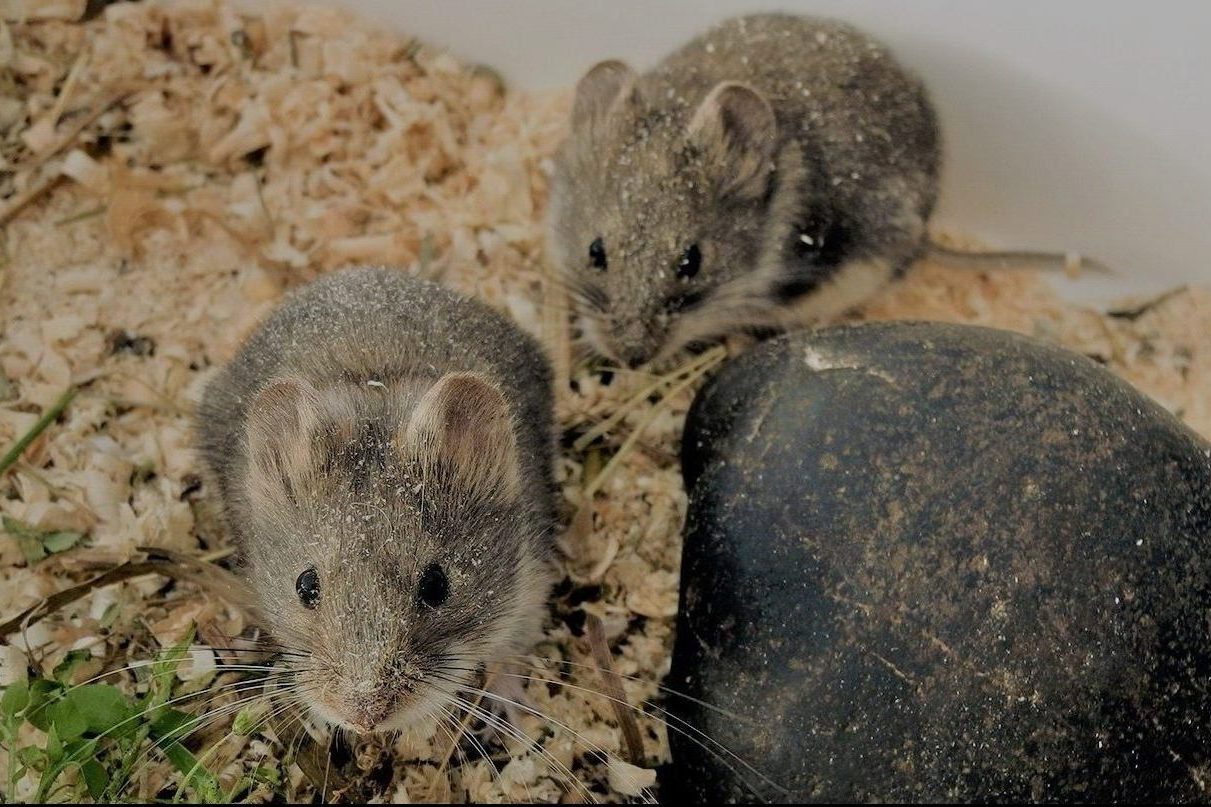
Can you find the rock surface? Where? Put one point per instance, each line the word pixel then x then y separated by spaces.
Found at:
pixel 935 562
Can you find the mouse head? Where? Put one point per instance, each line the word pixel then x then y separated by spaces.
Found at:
pixel 658 207
pixel 391 546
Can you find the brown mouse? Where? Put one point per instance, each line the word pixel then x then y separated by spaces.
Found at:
pixel 383 449
pixel 774 171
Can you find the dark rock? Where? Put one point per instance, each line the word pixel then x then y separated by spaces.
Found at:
pixel 932 562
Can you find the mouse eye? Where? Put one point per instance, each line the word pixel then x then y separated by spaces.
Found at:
pixel 597 254
pixel 434 587
pixel 308 587
pixel 690 263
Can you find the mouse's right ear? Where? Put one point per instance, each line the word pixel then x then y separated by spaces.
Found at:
pixel 282 420
pixel 463 427
pixel 736 128
pixel 598 89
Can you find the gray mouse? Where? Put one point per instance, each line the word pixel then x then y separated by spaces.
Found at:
pixel 383 450
pixel 774 171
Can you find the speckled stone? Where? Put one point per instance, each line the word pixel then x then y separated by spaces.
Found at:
pixel 935 562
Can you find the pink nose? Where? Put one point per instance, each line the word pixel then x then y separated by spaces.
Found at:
pixel 630 343
pixel 368 718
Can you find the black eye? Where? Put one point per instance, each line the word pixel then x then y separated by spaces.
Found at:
pixel 691 261
pixel 434 587
pixel 308 588
pixel 597 256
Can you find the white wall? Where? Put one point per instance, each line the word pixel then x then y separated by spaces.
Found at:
pixel 1078 125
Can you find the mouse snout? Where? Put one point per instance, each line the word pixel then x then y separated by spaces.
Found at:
pixel 370 706
pixel 635 343
pixel 367 718
pixel 633 356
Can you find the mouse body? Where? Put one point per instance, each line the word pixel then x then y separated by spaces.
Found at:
pixel 383 451
pixel 775 170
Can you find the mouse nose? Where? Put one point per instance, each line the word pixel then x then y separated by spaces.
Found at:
pixel 633 357
pixel 368 717
pixel 631 339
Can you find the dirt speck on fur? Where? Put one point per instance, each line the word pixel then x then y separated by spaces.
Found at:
pixel 251 151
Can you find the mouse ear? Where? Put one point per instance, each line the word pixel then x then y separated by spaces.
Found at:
pixel 463 425
pixel 736 128
pixel 598 89
pixel 282 420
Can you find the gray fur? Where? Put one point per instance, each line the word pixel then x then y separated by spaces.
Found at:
pixel 856 153
pixel 339 369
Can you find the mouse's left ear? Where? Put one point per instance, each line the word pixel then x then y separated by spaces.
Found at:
pixel 281 428
pixel 735 126
pixel 463 427
pixel 599 89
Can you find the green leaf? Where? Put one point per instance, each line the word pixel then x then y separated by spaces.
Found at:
pixel 32 757
pixel 111 614
pixel 206 787
pixel 248 720
pixel 41 693
pixel 164 669
pixel 170 724
pixel 31 548
pixel 17 528
pixel 15 698
pixel 66 720
pixel 95 778
pixel 102 706
pixel 54 746
pixel 60 541
pixel 37 544
pixel 79 749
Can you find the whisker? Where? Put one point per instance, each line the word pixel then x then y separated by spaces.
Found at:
pixel 507 701
pixel 239 687
pixel 141 665
pixel 484 753
pixel 444 721
pixel 202 759
pixel 502 725
pixel 681 726
pixel 180 735
pixel 638 679
pixel 242 686
pixel 139 762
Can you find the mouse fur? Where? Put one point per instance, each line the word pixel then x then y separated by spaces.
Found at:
pixel 376 427
pixel 796 154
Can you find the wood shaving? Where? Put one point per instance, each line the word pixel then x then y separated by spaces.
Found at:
pixel 171 169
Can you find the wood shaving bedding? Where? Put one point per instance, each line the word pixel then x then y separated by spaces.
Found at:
pixel 170 169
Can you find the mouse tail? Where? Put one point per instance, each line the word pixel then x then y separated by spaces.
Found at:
pixel 1071 263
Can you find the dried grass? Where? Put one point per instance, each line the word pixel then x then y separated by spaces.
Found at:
pixel 169 170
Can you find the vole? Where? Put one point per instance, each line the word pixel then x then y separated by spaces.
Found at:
pixel 383 450
pixel 774 171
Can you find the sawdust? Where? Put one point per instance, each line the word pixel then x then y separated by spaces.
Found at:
pixel 178 166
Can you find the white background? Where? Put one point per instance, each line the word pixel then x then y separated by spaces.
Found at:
pixel 1078 125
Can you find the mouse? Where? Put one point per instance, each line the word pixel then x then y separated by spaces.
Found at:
pixel 383 451
pixel 775 171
